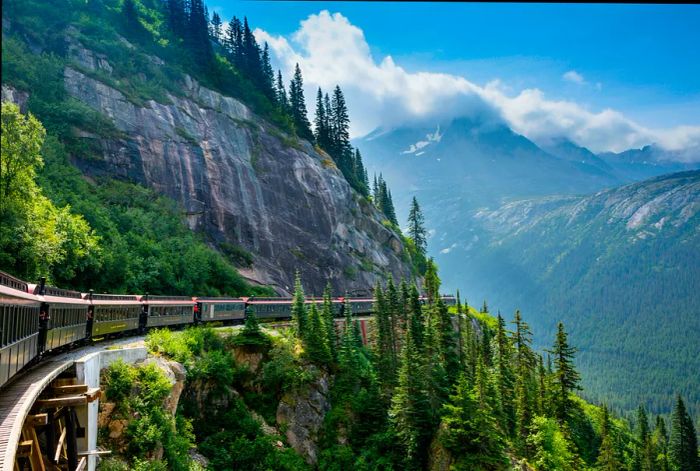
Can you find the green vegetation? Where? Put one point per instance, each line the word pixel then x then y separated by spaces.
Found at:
pixel 139 393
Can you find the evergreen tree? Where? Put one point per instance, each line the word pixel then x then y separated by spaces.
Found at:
pixel 388 206
pixel 299 307
pixel 176 17
pixel 360 174
pixel 469 432
pixel 683 444
pixel 251 63
pixel 416 228
pixel 320 122
pixel 329 322
pixel 393 308
pixel 385 359
pixel 566 379
pixel 216 27
pixel 607 456
pixel 197 34
pixel 416 318
pixel 282 101
pixel 268 76
pixel 234 42
pixel 505 377
pixel 644 454
pixel 251 326
pixel 297 104
pixel 432 282
pixel 660 442
pixel 448 342
pixel 316 338
pixel 524 371
pixel 409 413
pixel 340 134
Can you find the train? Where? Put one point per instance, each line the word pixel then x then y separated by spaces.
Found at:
pixel 36 319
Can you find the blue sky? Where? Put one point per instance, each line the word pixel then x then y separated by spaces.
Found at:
pixel 640 60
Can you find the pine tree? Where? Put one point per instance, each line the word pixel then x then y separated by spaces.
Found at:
pixel 432 282
pixel 329 322
pixel 409 414
pixel 216 27
pixel 393 308
pixel 607 456
pixel 360 174
pixel 251 327
pixel 320 121
pixel 566 379
pixel 340 125
pixel 384 355
pixel 131 20
pixel 250 52
pixel 233 42
pixel 660 442
pixel 297 105
pixel 299 307
pixel 469 432
pixel 176 17
pixel 316 338
pixel 416 227
pixel 644 454
pixel 282 101
pixel 197 34
pixel 388 206
pixel 505 377
pixel 268 76
pixel 524 371
pixel 416 318
pixel 448 342
pixel 375 191
pixel 683 444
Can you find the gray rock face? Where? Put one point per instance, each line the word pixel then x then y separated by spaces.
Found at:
pixel 243 182
pixel 12 95
pixel 302 414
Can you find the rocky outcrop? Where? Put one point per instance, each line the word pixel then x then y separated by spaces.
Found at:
pixel 113 422
pixel 241 181
pixel 301 414
pixel 18 97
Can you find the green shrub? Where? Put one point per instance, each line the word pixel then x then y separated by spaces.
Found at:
pixel 119 381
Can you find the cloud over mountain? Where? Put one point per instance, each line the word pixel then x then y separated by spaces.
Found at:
pixel 330 50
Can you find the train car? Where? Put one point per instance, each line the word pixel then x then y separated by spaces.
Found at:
pixel 64 316
pixel 271 308
pixel 220 309
pixel 113 313
pixel 19 326
pixel 360 306
pixel 168 310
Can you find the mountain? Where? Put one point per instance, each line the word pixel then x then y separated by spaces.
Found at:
pixel 649 161
pixel 509 222
pixel 247 185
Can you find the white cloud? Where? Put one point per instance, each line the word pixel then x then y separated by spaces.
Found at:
pixel 573 76
pixel 380 93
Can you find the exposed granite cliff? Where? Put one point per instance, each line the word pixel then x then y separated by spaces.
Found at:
pixel 241 180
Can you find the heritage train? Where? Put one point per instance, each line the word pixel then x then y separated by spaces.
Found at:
pixel 36 319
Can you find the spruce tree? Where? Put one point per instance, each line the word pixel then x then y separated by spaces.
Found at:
pixel 176 17
pixel 525 363
pixel 329 322
pixel 683 444
pixel 607 456
pixel 268 76
pixel 409 413
pixel 416 317
pixel 297 103
pixel 505 376
pixel 340 124
pixel 197 35
pixel 448 342
pixel 360 174
pixel 644 454
pixel 316 338
pixel 469 432
pixel 216 27
pixel 565 379
pixel 432 282
pixel 660 442
pixel 384 356
pixel 320 120
pixel 131 20
pixel 282 101
pixel 416 227
pixel 299 307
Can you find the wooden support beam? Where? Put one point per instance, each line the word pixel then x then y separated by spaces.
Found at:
pixel 59 446
pixel 24 449
pixel 63 381
pixel 95 453
pixel 70 401
pixel 37 420
pixel 70 389
pixel 81 464
pixel 36 460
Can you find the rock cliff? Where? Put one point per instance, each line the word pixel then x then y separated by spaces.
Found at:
pixel 241 180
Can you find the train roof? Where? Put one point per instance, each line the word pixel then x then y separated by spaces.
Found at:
pixel 106 299
pixel 11 290
pixel 168 300
pixel 11 282
pixel 220 300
